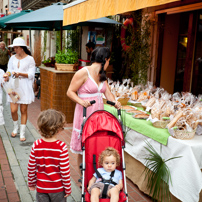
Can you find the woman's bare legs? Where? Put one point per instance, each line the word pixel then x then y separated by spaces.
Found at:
pixel 14 111
pixel 14 114
pixel 23 110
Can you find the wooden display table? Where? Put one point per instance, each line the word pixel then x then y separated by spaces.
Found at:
pixel 54 85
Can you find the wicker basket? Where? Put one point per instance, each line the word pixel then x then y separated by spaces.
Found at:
pixel 183 134
pixel 160 124
pixel 64 67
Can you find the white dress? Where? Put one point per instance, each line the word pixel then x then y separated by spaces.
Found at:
pixel 27 66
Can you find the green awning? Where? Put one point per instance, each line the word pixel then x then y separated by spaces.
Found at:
pixel 48 18
pixel 5 19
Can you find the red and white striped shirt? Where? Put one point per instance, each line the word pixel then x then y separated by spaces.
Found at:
pixel 48 167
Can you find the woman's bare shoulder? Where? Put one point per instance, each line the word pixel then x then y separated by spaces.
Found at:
pixel 81 73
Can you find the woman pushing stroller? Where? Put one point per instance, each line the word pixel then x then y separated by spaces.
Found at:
pixel 88 84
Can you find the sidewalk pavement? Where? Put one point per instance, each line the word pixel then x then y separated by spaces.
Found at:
pixel 14 156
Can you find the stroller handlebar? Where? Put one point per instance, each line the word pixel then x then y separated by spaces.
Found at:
pixel 113 103
pixel 93 102
pixel 84 109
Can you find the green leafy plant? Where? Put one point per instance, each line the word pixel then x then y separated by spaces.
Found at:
pixel 66 57
pixel 46 61
pixel 158 174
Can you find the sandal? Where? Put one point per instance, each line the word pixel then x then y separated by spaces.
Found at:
pixel 13 135
pixel 15 129
pixel 22 133
pixel 22 139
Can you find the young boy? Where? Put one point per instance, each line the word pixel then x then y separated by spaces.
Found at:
pixel 109 159
pixel 48 167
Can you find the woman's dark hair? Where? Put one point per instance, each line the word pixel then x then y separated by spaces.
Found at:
pixel 99 55
pixel 26 50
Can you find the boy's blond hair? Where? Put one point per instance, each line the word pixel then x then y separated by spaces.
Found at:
pixel 50 122
pixel 108 152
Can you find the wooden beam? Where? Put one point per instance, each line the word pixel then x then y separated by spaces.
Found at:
pixel 180 9
pixel 3 31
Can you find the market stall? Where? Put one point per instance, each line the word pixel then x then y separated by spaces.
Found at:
pixel 186 175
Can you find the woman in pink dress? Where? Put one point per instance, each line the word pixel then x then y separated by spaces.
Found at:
pixel 88 84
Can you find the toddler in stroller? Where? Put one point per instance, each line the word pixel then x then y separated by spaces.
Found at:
pixel 107 180
pixel 100 131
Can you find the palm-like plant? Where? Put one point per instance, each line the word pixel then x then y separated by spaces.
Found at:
pixel 158 174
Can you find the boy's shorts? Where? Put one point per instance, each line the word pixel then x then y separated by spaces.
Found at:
pixel 53 197
pixel 100 186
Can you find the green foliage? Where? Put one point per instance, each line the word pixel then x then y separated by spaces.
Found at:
pixel 58 40
pixel 66 57
pixel 46 61
pixel 70 40
pixel 158 174
pixel 137 58
pixel 73 39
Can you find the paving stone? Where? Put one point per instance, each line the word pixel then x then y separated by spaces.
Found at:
pixel 3 194
pixel 13 197
pixel 7 173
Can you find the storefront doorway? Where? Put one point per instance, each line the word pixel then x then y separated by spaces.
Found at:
pixel 181 50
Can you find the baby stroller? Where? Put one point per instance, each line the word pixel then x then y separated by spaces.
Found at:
pixel 101 130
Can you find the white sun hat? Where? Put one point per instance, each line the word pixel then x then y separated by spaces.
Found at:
pixel 18 42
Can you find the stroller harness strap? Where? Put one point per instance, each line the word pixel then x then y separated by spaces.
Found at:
pixel 106 182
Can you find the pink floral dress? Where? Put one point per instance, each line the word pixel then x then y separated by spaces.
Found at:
pixel 88 91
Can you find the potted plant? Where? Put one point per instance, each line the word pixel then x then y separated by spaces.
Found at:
pixel 50 62
pixel 65 60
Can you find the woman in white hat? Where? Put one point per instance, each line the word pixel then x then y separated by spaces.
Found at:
pixel 22 66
